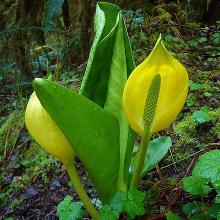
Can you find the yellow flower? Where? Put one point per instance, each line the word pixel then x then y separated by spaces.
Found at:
pixel 173 89
pixel 44 130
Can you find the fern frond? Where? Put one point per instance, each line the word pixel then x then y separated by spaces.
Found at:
pixel 52 11
pixel 7 32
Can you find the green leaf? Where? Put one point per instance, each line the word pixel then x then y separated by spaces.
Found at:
pixel 194 86
pixel 114 207
pixel 134 204
pixel 156 150
pixel 201 216
pixel 109 65
pixel 202 39
pixel 113 104
pixel 208 166
pixel 196 186
pixel 92 131
pixel 191 208
pixel 216 185
pixel 136 195
pixel 202 115
pixel 193 43
pixel 173 216
pixel 207 94
pixel 217 199
pixel 200 211
pixel 69 210
pixel 190 101
pixel 212 212
pixel 107 21
pixel 117 202
pixel 107 214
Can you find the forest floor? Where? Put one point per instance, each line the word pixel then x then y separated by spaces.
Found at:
pixel 32 183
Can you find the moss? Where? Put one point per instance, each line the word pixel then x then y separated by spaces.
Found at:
pixel 186 129
pixel 191 132
pixel 215 130
pixel 15 203
pixel 162 14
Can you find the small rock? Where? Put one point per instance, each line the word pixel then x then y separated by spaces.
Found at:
pixel 55 184
pixel 30 192
pixel 40 185
pixel 8 179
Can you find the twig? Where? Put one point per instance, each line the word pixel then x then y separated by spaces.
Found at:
pixel 211 145
pixel 159 173
pixel 6 105
pixel 155 217
pixel 174 164
pixel 176 32
pixel 6 141
pixel 173 199
pixel 50 213
pixel 12 150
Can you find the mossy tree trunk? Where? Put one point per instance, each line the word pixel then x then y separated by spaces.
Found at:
pixel 22 14
pixel 203 10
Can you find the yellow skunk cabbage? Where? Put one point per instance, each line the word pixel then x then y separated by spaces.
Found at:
pixel 44 130
pixel 172 95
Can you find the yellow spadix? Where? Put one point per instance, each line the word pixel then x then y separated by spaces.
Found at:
pixel 172 95
pixel 44 130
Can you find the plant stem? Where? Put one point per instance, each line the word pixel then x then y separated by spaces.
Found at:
pixel 75 179
pixel 141 157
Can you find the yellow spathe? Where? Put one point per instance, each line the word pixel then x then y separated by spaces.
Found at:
pixel 173 89
pixel 44 130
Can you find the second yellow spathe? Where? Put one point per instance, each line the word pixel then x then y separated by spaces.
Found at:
pixel 173 90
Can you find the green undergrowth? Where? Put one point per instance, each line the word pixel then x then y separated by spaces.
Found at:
pixel 9 132
pixel 199 123
pixel 203 189
pixel 22 161
pixel 131 204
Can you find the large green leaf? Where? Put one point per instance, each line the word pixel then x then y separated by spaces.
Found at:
pixel 196 186
pixel 156 150
pixel 92 131
pixel 95 82
pixel 208 166
pixel 110 63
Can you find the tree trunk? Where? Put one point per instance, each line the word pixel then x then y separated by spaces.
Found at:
pixel 86 27
pixel 79 20
pixel 203 10
pixel 22 14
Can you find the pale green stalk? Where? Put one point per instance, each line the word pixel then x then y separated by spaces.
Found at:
pixel 75 179
pixel 141 157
